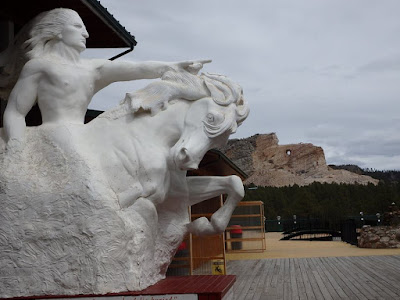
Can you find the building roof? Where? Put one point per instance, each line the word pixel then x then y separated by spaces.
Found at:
pixel 104 30
pixel 217 164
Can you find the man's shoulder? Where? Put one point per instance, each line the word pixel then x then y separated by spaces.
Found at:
pixel 96 63
pixel 32 67
pixel 35 65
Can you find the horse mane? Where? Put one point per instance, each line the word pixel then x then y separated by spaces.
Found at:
pixel 156 97
pixel 173 85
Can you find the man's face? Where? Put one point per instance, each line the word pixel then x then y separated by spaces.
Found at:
pixel 74 33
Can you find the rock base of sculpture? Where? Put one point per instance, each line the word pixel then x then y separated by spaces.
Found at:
pixel 62 231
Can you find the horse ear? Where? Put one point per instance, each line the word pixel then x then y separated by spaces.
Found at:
pixel 216 94
pixel 231 90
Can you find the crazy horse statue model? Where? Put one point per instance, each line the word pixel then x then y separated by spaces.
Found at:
pixel 102 207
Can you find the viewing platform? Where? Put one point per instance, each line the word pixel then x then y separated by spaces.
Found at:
pixel 358 277
pixel 315 270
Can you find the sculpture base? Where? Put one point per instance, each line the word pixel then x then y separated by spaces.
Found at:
pixel 200 287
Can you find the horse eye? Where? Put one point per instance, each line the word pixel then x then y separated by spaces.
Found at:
pixel 210 118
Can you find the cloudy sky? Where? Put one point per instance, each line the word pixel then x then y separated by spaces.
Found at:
pixel 321 72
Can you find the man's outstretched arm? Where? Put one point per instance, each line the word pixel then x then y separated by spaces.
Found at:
pixel 114 71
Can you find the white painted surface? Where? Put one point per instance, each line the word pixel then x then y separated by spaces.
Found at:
pixel 102 207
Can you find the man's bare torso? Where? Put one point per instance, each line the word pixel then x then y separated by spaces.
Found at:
pixel 65 90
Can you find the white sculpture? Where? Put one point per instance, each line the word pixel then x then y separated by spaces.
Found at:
pixel 102 207
pixel 60 81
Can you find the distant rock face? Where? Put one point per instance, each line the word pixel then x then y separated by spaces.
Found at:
pixel 269 164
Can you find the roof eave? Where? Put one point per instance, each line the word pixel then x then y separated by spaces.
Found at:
pixel 111 22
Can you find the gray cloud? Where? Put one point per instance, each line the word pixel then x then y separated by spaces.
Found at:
pixel 325 72
pixel 383 64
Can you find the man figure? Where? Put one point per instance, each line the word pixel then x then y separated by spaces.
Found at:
pixel 60 81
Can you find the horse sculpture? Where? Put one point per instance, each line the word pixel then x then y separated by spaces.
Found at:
pixel 102 207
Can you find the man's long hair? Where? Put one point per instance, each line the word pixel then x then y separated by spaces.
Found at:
pixel 29 43
pixel 46 27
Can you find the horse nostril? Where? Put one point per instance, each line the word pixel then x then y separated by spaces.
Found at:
pixel 183 154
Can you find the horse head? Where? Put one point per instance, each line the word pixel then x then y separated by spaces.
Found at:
pixel 210 120
pixel 215 108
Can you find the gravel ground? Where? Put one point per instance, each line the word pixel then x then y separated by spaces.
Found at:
pixel 288 249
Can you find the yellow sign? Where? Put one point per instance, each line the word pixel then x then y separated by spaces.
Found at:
pixel 218 267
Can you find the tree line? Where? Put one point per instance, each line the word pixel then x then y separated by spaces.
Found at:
pixel 323 200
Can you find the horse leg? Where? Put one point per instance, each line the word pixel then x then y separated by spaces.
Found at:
pixel 205 187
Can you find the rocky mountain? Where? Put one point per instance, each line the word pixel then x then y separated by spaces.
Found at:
pixel 269 164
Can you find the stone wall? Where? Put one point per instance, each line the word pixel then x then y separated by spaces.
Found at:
pixel 379 237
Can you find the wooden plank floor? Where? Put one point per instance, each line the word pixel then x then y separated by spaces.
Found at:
pixel 361 277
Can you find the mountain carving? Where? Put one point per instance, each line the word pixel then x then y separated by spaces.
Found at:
pixel 269 164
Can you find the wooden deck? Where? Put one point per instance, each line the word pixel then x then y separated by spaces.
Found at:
pixel 361 277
